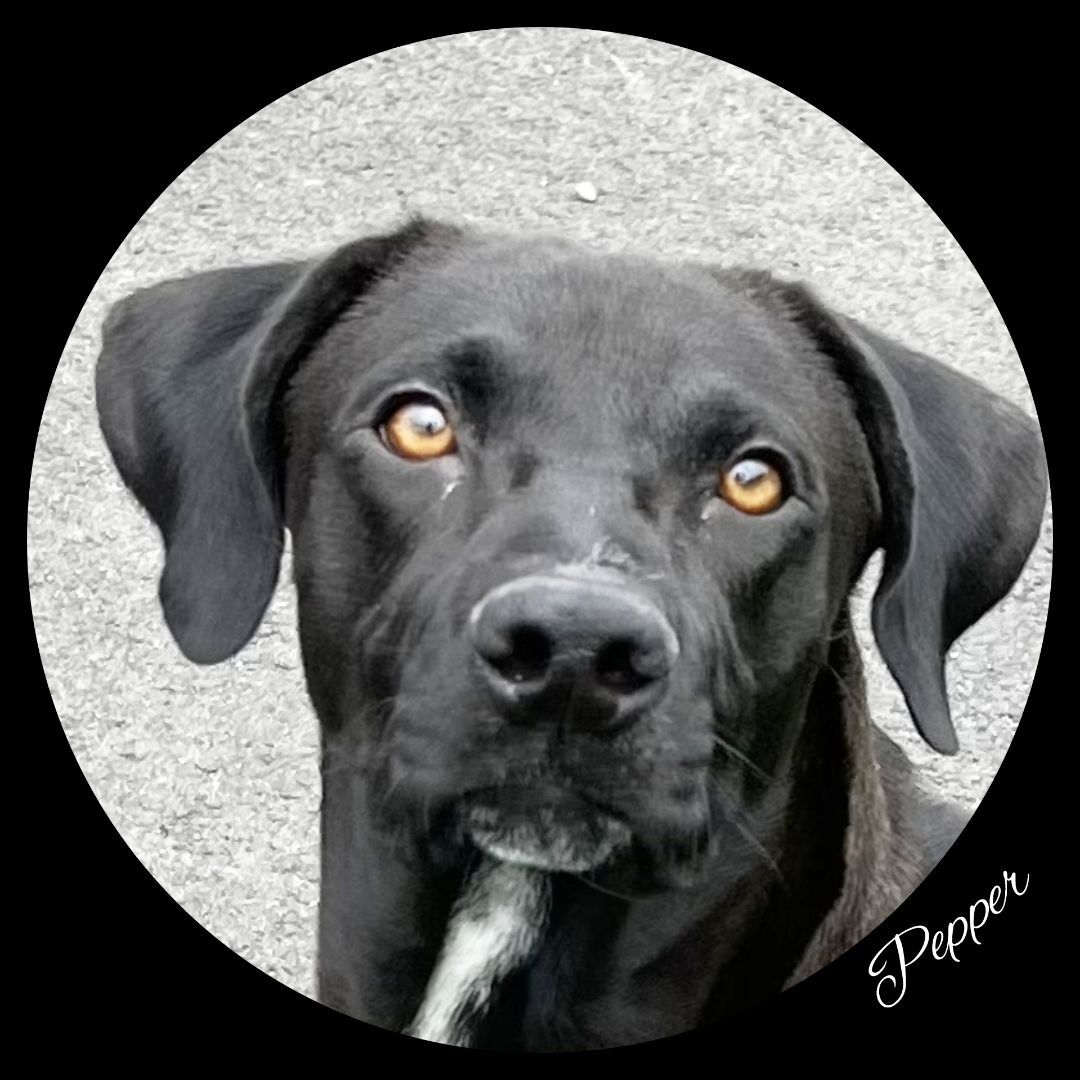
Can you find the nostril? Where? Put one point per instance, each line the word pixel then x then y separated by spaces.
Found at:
pixel 616 668
pixel 528 655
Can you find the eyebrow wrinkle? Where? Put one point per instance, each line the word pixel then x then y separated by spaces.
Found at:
pixel 475 369
pixel 719 423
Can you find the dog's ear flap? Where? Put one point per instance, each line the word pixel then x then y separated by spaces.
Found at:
pixel 957 538
pixel 963 484
pixel 187 385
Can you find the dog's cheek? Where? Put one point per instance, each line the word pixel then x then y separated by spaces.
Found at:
pixel 435 713
pixel 769 651
pixel 436 717
pixel 345 560
pixel 785 610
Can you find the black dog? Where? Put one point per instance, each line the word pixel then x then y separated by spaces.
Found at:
pixel 574 537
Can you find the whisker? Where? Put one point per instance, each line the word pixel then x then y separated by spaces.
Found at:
pixel 387 794
pixel 741 756
pixel 734 813
pixel 602 889
pixel 852 698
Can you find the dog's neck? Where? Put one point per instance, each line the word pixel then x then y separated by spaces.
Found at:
pixel 881 866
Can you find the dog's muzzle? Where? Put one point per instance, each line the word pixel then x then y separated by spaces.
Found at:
pixel 587 654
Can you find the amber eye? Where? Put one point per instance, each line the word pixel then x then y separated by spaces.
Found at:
pixel 419 431
pixel 752 486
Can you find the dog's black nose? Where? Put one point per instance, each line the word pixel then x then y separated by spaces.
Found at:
pixel 590 652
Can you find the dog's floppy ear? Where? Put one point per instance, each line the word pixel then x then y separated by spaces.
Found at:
pixel 187 383
pixel 963 484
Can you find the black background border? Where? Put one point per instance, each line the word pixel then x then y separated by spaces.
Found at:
pixel 107 118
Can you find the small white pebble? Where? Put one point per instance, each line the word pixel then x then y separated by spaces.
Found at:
pixel 586 192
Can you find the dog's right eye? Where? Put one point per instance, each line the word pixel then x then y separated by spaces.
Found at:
pixel 418 430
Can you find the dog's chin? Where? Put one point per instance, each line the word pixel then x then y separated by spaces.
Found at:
pixel 554 833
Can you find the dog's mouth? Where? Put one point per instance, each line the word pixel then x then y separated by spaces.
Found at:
pixel 546 827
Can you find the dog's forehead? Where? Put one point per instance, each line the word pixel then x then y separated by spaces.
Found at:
pixel 594 332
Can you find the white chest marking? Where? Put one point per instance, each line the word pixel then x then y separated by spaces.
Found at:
pixel 494 928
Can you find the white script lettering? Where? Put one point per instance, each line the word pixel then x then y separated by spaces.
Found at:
pixel 893 984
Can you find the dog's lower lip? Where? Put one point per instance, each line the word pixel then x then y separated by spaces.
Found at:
pixel 544 826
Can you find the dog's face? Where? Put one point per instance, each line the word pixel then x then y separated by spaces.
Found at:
pixel 572 533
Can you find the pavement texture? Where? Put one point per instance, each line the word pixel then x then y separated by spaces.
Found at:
pixel 211 774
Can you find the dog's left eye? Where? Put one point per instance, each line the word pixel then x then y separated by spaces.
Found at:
pixel 752 486
pixel 418 430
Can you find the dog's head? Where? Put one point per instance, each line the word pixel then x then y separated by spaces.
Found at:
pixel 572 533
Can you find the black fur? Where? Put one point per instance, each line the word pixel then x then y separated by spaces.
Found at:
pixel 596 399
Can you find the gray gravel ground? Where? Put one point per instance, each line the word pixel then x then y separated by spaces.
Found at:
pixel 210 774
